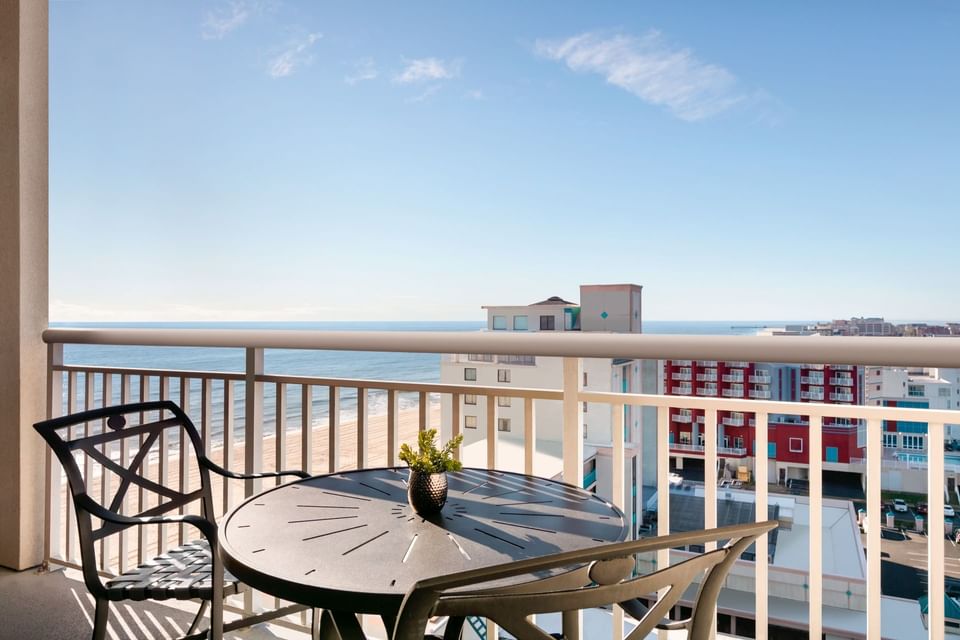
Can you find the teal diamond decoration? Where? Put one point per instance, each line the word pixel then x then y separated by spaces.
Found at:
pixel 604 315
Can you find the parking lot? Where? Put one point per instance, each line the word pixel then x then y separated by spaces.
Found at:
pixel 904 564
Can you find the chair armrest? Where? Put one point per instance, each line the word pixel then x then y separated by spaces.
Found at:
pixel 226 473
pixel 207 528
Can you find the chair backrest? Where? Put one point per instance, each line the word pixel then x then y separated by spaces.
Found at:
pixel 114 447
pixel 593 577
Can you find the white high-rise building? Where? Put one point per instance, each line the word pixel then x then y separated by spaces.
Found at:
pixel 604 308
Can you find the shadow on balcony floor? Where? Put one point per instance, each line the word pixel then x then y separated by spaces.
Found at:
pixel 53 606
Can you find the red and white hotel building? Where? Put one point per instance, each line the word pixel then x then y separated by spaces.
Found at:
pixel 788 434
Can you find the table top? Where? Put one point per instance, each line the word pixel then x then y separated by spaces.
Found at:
pixel 350 540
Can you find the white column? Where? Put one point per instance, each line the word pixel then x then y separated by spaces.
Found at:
pixel 24 285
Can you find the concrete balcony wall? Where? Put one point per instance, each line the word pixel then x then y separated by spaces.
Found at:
pixel 23 287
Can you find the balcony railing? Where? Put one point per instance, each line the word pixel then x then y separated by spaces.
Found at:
pixel 737 364
pixel 707 377
pixel 679 417
pixel 733 393
pixel 682 391
pixel 760 394
pixel 760 378
pixel 706 363
pixel 843 382
pixel 811 379
pixel 682 363
pixel 841 397
pixel 733 377
pixel 246 418
pixel 682 376
pixel 811 395
pixel 733 421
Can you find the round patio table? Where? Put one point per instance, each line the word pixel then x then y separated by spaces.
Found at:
pixel 350 542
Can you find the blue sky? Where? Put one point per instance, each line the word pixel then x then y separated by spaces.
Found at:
pixel 281 160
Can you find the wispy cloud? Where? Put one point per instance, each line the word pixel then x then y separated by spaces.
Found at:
pixel 296 55
pixel 426 93
pixel 476 94
pixel 227 17
pixel 427 70
pixel 652 69
pixel 363 69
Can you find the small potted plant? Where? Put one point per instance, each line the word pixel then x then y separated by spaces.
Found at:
pixel 427 486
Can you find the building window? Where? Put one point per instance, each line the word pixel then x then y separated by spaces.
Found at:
pixel 890 440
pixel 584 378
pixel 738 442
pixel 469 398
pixel 796 445
pixel 912 442
pixel 944 392
pixel 519 323
pixel 684 437
pixel 771 449
pixel 500 323
pixel 503 424
pixel 915 390
pixel 469 422
pixel 584 407
pixel 503 401
pixel 470 373
pixel 548 323
pixel 503 375
pixel 700 439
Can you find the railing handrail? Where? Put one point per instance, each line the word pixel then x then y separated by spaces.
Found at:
pixel 887 351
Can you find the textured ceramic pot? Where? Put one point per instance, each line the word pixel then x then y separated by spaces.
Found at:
pixel 427 492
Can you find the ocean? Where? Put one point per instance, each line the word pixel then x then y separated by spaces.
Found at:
pixel 412 367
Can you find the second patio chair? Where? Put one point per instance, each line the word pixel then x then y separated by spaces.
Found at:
pixel 587 578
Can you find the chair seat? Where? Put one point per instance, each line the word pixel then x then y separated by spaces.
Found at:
pixel 182 573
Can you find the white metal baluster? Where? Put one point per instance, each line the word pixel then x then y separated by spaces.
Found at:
pixel 529 435
pixel 424 406
pixel 663 491
pixel 816 527
pixel 71 544
pixel 572 422
pixel 874 520
pixel 184 453
pixel 711 474
pixel 363 428
pixel 306 428
pixel 123 540
pixel 163 464
pixel 455 401
pixel 761 462
pixel 206 416
pixel 617 492
pixel 393 411
pixel 280 430
pixel 935 542
pixel 106 399
pixel 492 434
pixel 253 420
pixel 228 424
pixel 53 522
pixel 333 430
pixel 142 532
pixel 88 391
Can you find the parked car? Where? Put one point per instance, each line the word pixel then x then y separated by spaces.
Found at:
pixel 948 511
pixel 922 508
pixel 900 506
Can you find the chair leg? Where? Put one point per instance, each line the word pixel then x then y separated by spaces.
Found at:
pixel 100 619
pixel 216 618
pixel 196 620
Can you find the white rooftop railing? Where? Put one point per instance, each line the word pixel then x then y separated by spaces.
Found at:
pixel 246 393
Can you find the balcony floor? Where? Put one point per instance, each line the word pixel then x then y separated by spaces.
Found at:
pixel 57 606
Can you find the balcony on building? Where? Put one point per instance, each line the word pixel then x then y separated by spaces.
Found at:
pixel 707 363
pixel 812 394
pixel 760 394
pixel 760 378
pixel 707 377
pixel 682 375
pixel 706 391
pixel 734 420
pixel 737 364
pixel 845 381
pixel 812 379
pixel 839 396
pixel 733 377
pixel 681 417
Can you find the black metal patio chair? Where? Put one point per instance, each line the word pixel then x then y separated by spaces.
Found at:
pixel 597 577
pixel 189 571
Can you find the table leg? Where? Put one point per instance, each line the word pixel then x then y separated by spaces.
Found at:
pixel 389 621
pixel 348 626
